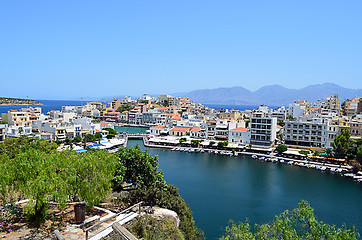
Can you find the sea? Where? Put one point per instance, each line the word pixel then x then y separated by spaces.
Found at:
pixel 47 106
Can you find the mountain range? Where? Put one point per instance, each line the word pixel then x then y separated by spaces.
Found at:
pixel 272 95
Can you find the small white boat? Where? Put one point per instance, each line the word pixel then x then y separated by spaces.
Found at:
pixel 323 168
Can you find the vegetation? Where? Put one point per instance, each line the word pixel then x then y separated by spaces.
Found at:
pixel 182 140
pixel 137 168
pixel 147 227
pixel 281 122
pixel 222 144
pixel 211 143
pixel 123 108
pixel 289 117
pixel 168 197
pixel 111 132
pixel 42 174
pixel 165 103
pixel 316 153
pixel 304 152
pixel 345 147
pixel 281 148
pixel 77 139
pixel 196 142
pixel 300 223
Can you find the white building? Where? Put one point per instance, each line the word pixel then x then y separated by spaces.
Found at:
pixel 239 135
pixel 158 130
pixel 263 129
pixel 307 133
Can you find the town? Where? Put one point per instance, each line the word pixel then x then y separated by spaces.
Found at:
pixel 304 128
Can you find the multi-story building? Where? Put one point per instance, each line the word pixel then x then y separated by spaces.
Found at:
pixel 16 118
pixel 356 128
pixel 280 113
pixel 299 109
pixel 17 131
pixel 115 104
pixel 239 135
pixel 262 129
pixel 111 115
pixel 306 133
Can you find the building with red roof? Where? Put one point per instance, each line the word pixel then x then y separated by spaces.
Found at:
pixel 179 131
pixel 239 135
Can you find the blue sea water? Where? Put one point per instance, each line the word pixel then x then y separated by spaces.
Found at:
pixel 235 107
pixel 47 107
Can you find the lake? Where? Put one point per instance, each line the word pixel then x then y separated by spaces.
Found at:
pixel 220 188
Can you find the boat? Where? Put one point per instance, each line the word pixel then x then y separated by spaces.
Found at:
pixel 254 156
pixel 281 161
pixel 323 168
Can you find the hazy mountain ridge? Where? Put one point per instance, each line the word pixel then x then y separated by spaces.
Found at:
pixel 274 95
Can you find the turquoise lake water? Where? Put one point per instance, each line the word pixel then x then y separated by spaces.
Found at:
pixel 220 188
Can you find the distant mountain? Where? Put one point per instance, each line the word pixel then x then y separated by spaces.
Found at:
pixel 273 95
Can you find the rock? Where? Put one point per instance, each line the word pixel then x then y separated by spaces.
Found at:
pixel 163 213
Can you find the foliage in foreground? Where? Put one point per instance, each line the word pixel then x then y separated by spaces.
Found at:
pixel 42 174
pixel 300 223
pixel 169 198
pixel 137 168
pixel 149 228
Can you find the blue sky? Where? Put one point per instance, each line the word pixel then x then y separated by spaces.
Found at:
pixel 74 49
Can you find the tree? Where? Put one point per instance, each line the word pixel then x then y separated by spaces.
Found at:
pixel 329 152
pixel 281 148
pixel 182 140
pixel 359 154
pixel 281 122
pixel 98 136
pixel 77 139
pixel 111 132
pixel 342 143
pixel 211 143
pixel 68 141
pixel 222 144
pixel 89 137
pixel 137 168
pixel 42 174
pixel 300 223
pixel 304 152
pixel 196 142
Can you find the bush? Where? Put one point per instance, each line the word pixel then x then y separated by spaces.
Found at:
pixel 281 148
pixel 168 198
pixel 147 227
pixel 300 223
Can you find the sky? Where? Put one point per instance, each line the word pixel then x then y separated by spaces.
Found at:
pixel 74 49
